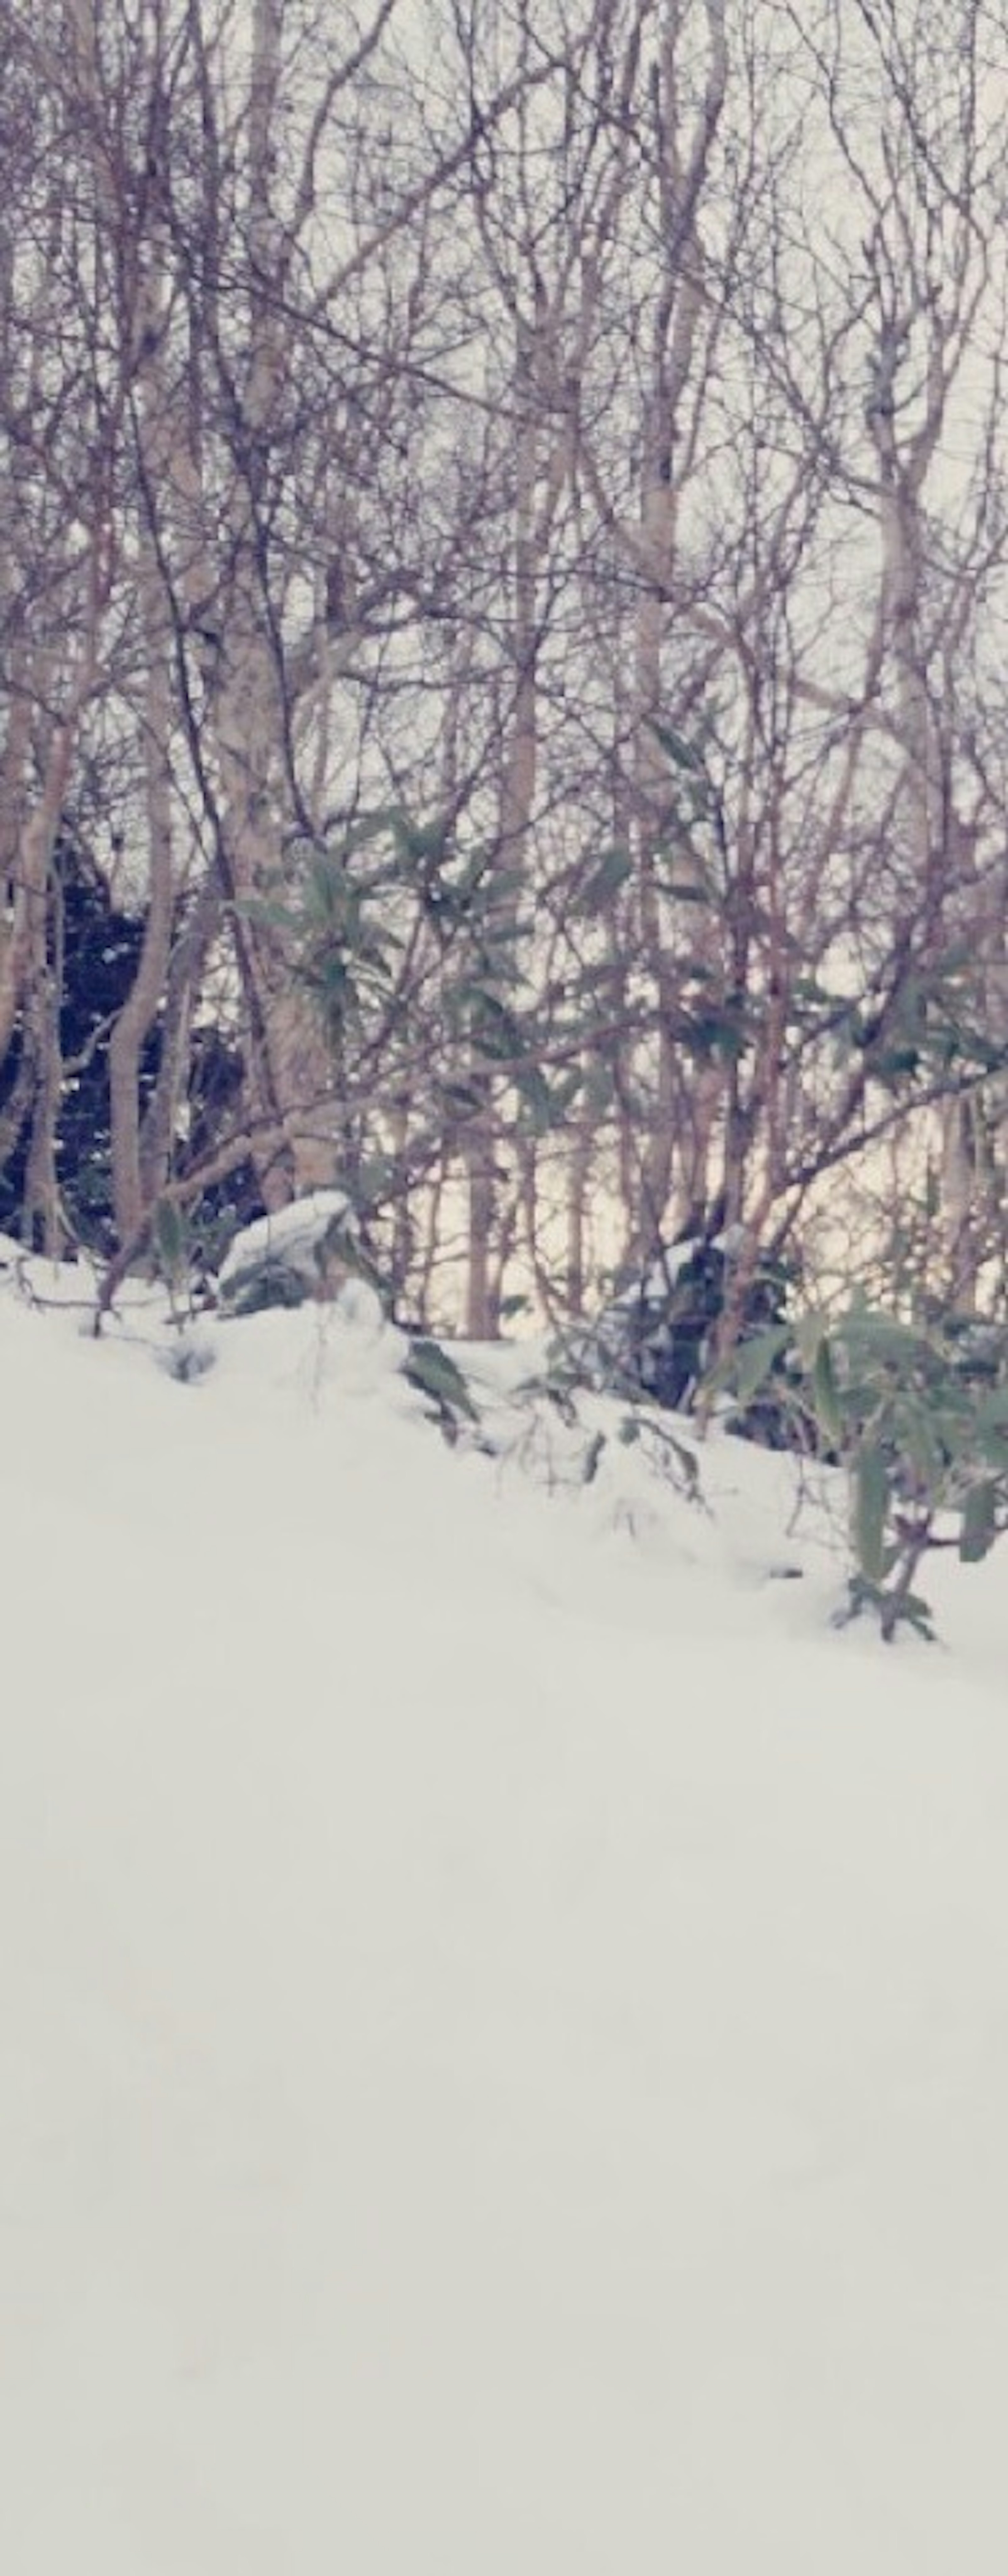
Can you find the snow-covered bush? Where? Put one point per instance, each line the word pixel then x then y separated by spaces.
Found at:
pixel 917 1417
pixel 658 1338
pixel 307 1250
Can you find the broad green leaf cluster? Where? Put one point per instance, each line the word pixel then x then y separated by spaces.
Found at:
pixel 916 1414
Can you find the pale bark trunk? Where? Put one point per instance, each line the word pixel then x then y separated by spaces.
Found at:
pixel 292 1073
pixel 682 172
pixel 517 797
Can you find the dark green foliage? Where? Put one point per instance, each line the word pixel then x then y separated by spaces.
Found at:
pixel 930 1028
pixel 649 1432
pixel 312 1261
pixel 659 1337
pixel 94 950
pixel 98 949
pixel 170 1240
pixel 917 1416
pixel 437 1376
pixel 271 1282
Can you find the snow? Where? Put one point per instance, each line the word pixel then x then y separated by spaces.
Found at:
pixel 505 2009
pixel 292 1233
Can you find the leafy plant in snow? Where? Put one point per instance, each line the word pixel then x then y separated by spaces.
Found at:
pixel 657 1338
pixel 306 1251
pixel 553 1399
pixel 916 1414
pixel 431 1370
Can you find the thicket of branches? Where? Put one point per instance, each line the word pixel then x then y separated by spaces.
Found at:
pixel 504 571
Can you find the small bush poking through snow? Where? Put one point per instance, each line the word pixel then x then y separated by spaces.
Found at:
pixel 657 1340
pixel 308 1250
pixel 917 1417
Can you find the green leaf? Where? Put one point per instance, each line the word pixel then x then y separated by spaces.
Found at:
pixel 718 1033
pixel 169 1237
pixel 748 1367
pixel 496 1033
pixel 871 1512
pixel 421 842
pixel 883 1335
pixel 979 1527
pixel 461 1099
pixel 368 827
pixel 920 1440
pixel 593 1457
pixel 992 1409
pixel 609 873
pixel 889 1064
pixel 810 1332
pixel 271 916
pixel 434 1373
pixel 377 1174
pixel 677 749
pixel 564 1090
pixel 534 1090
pixel 600 1085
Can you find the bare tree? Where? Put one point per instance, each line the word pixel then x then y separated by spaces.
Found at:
pixel 506 531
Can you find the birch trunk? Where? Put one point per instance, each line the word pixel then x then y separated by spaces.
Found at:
pixel 682 169
pixel 517 797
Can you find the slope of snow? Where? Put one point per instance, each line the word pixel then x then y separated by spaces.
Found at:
pixel 505 2011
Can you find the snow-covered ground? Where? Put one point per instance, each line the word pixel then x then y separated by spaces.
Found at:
pixel 504 2008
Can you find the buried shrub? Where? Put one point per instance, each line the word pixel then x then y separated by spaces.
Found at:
pixel 305 1251
pixel 917 1417
pixel 915 1414
pixel 658 1338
